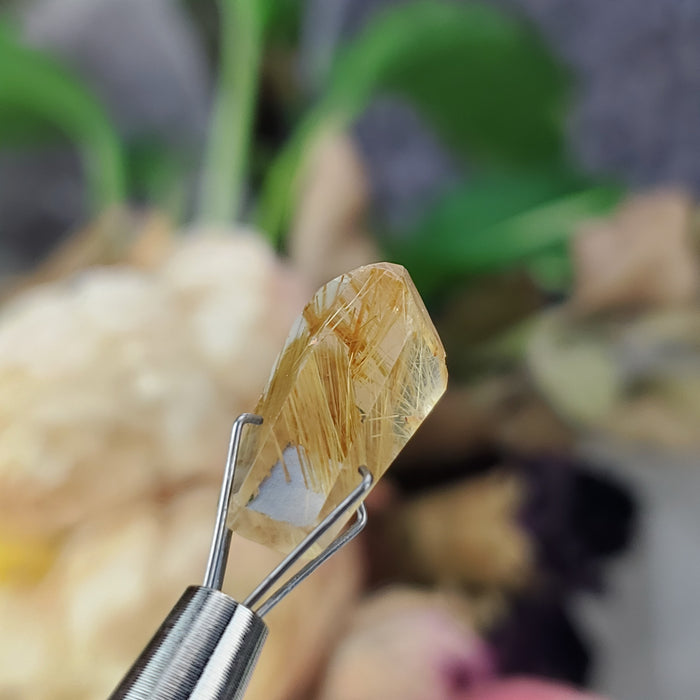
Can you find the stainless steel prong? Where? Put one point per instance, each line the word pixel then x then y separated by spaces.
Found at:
pixel 293 557
pixel 208 645
pixel 221 539
pixel 353 531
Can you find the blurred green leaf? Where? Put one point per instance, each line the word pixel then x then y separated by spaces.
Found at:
pixel 481 78
pixel 496 222
pixel 552 269
pixel 17 128
pixel 282 21
pixel 39 99
pixel 158 175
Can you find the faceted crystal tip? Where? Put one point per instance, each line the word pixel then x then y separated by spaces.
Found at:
pixel 362 367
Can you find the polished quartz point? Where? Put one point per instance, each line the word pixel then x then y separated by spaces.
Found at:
pixel 362 367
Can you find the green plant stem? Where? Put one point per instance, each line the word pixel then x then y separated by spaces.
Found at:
pixel 226 157
pixel 33 86
pixel 105 170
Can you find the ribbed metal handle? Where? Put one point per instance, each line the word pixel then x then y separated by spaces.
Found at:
pixel 205 650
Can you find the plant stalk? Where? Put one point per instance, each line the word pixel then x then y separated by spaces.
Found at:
pixel 226 157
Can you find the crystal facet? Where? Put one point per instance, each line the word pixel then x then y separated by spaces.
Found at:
pixel 362 367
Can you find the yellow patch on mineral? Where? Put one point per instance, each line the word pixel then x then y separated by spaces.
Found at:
pixel 24 559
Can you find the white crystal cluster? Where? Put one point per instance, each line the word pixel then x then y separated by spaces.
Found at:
pixel 121 382
pixel 118 388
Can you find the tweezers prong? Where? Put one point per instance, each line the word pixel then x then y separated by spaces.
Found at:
pixel 221 540
pixel 293 557
pixel 353 531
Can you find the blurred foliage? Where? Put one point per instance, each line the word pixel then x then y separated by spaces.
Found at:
pixel 40 100
pixel 226 158
pixel 282 22
pixel 494 222
pixel 481 79
pixel 158 176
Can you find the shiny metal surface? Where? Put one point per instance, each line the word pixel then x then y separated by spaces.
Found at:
pixel 321 529
pixel 205 650
pixel 221 541
pixel 208 645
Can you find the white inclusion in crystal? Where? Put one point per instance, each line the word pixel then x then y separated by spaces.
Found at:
pixel 284 496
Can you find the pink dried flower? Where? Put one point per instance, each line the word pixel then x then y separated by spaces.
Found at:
pixel 407 645
pixel 527 689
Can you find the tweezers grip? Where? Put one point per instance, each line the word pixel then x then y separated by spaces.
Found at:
pixel 205 649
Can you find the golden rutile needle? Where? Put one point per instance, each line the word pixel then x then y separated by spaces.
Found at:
pixel 361 369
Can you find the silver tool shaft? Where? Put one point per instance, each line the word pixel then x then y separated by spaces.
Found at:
pixel 205 649
pixel 208 645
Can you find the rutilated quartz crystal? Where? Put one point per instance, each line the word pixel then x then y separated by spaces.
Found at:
pixel 362 367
